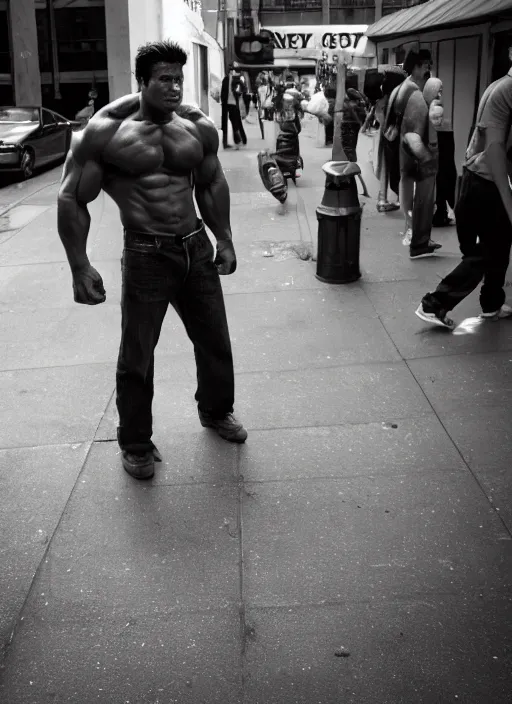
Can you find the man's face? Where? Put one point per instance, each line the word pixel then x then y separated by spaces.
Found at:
pixel 164 91
pixel 421 73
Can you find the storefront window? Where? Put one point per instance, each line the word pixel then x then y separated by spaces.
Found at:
pixel 5 57
pixel 81 38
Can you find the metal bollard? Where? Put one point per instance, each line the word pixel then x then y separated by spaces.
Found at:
pixel 339 225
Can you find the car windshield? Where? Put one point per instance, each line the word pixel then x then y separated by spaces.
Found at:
pixel 18 115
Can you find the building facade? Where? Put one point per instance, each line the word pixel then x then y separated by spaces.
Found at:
pixel 54 52
pixel 325 12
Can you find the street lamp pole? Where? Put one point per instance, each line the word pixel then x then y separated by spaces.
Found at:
pixel 341 80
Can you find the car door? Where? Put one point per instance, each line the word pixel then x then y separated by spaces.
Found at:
pixel 64 132
pixel 51 137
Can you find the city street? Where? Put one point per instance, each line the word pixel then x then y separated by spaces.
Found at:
pixel 356 550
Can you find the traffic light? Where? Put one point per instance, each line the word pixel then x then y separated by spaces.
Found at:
pixel 255 49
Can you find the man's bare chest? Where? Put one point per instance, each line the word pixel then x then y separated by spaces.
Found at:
pixel 141 148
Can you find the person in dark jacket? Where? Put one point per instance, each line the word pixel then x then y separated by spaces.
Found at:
pixel 231 91
pixel 354 116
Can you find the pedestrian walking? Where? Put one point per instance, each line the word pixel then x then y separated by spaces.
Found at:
pixel 353 118
pixel 388 154
pixel 408 121
pixel 231 92
pixel 152 155
pixel 483 215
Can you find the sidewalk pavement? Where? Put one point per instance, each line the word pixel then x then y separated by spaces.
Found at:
pixel 368 511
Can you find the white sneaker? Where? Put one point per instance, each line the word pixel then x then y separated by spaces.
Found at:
pixel 504 312
pixel 407 238
pixel 435 318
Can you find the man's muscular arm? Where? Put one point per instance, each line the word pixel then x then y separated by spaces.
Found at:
pixel 212 195
pixel 211 188
pixel 80 185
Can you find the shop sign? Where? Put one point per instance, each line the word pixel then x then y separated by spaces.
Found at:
pixel 291 41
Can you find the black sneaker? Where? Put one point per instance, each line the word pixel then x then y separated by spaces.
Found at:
pixel 228 146
pixel 227 427
pixel 141 466
pixel 428 314
pixel 424 252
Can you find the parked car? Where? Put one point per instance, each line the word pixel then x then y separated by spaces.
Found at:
pixel 31 137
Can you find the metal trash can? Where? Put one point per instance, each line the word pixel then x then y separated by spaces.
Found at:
pixel 339 225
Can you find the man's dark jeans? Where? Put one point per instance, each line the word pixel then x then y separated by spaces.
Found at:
pixel 158 271
pixel 485 235
pixel 233 113
pixel 446 180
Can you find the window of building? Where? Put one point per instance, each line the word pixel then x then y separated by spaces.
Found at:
pixel 5 56
pixel 81 39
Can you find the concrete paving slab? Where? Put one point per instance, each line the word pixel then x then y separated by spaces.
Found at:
pixel 270 223
pixel 76 654
pixel 85 335
pixel 460 382
pixel 407 446
pixel 321 541
pixel 396 305
pixel 330 396
pixel 144 549
pixel 35 484
pixel 39 286
pixel 188 458
pixel 56 405
pixel 39 242
pixel 13 191
pixel 256 273
pixel 294 330
pixel 244 177
pixel 484 439
pixel 18 217
pixel 437 649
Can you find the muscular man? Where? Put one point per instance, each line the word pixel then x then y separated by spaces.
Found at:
pixel 151 154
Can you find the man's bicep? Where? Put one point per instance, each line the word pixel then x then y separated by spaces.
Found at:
pixel 209 171
pixel 81 182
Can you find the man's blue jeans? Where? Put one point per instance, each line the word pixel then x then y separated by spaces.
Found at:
pixel 157 271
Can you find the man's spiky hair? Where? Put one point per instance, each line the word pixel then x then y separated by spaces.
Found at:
pixel 154 53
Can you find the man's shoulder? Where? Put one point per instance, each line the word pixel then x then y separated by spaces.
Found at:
pixel 497 100
pixel 206 128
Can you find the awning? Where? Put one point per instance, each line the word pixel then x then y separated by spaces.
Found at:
pixel 436 14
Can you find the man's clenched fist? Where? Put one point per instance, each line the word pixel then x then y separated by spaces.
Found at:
pixel 225 261
pixel 88 286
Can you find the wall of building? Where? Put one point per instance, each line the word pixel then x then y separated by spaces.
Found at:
pixel 295 12
pixel 95 47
